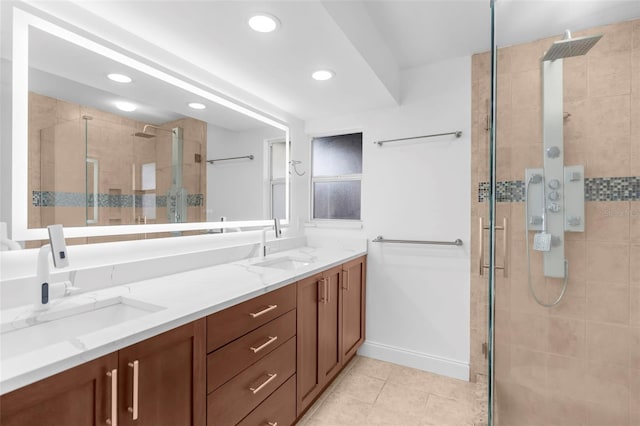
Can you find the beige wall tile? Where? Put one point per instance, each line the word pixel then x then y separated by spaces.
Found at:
pixel 607 384
pixel 567 376
pixel 610 75
pixel 574 302
pixel 567 336
pixel 525 89
pixel 607 262
pixel 528 368
pixel 634 348
pixel 608 302
pixel 575 126
pixel 608 119
pixel 635 70
pixel 608 343
pixel 566 411
pixel 616 38
pixel 575 78
pixel 635 223
pixel 608 221
pixel 604 414
pixel 529 331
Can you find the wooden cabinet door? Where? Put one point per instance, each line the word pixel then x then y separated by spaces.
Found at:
pixel 171 378
pixel 329 328
pixel 353 306
pixel 309 382
pixel 79 396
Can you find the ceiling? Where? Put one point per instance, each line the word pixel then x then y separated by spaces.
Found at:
pixel 367 43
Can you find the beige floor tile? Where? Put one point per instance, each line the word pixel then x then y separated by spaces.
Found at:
pixel 403 398
pixel 447 412
pixel 341 410
pixel 384 415
pixel 360 387
pixel 372 368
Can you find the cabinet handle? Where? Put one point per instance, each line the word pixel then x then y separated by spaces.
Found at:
pixel 113 421
pixel 326 283
pixel 345 279
pixel 264 311
pixel 261 347
pixel 134 410
pixel 321 291
pixel 271 378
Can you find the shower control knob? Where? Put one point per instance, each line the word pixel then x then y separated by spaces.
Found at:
pixel 553 152
pixel 554 208
pixel 554 184
pixel 574 220
pixel 554 196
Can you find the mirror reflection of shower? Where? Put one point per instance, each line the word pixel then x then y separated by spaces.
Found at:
pixel 554 195
pixel 177 194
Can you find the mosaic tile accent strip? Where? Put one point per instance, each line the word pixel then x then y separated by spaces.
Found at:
pixel 596 189
pixel 79 199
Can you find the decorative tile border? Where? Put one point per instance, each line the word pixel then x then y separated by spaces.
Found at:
pixel 596 189
pixel 78 199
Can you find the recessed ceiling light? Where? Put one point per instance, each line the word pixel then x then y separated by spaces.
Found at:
pixel 264 23
pixel 322 75
pixel 125 106
pixel 196 105
pixel 120 78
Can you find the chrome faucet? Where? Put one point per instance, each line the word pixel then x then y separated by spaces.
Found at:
pixel 263 239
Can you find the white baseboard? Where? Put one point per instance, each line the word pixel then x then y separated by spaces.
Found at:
pixel 432 363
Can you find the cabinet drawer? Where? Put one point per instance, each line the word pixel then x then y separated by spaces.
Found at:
pixel 231 402
pixel 279 408
pixel 236 321
pixel 231 359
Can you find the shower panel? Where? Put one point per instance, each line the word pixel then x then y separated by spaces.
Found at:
pixel 555 194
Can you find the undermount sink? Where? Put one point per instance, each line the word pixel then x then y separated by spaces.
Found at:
pixel 286 263
pixel 58 325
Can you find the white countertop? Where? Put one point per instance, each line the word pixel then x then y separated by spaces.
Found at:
pixel 174 300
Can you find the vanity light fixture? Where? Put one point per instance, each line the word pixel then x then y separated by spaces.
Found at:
pixel 264 23
pixel 119 78
pixel 322 75
pixel 125 106
pixel 196 105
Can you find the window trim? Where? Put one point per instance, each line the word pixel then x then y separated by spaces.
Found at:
pixel 333 178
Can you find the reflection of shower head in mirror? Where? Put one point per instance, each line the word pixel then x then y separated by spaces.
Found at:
pixel 568 47
pixel 147 135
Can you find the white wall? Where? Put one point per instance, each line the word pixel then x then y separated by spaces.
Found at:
pixel 237 189
pixel 417 296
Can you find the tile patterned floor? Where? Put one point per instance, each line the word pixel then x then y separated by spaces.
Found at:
pixel 372 392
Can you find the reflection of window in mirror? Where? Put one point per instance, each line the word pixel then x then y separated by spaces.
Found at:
pixel 277 173
pixel 336 176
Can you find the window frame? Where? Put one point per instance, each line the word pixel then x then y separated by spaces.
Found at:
pixel 333 178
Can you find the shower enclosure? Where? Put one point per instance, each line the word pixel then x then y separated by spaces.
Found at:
pixel 556 214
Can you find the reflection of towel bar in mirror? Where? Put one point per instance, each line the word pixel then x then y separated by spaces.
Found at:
pixel 250 157
pixel 380 239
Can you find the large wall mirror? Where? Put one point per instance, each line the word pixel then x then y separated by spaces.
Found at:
pixel 109 146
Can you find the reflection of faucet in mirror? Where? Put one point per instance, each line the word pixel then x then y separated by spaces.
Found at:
pixel 263 237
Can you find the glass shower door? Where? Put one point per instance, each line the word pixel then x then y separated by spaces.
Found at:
pixel 563 299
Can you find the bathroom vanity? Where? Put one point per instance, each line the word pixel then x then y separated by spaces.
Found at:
pixel 259 354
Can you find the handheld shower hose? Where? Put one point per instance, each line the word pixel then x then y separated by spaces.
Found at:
pixel 526 235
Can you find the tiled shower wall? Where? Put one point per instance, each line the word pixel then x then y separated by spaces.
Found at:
pixel 57 166
pixel 577 363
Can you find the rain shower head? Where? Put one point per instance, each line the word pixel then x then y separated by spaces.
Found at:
pixel 569 47
pixel 145 134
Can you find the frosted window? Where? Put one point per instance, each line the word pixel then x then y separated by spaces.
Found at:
pixel 336 176
pixel 278 160
pixel 337 200
pixel 337 155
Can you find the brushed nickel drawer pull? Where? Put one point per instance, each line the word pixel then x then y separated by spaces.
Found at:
pixel 113 421
pixel 328 284
pixel 345 280
pixel 264 311
pixel 264 345
pixel 271 378
pixel 134 410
